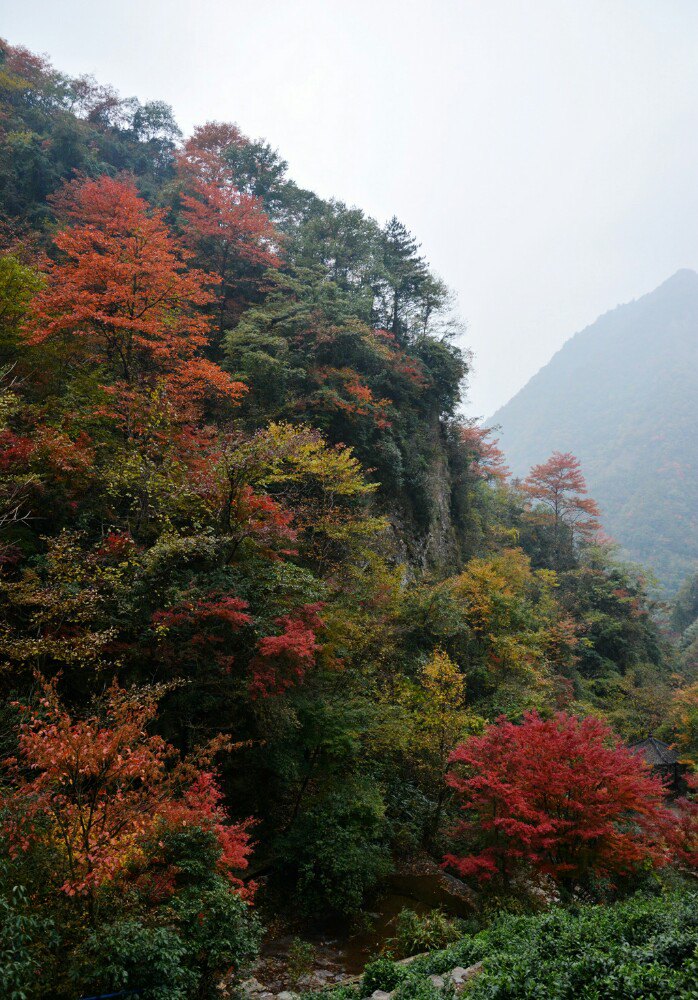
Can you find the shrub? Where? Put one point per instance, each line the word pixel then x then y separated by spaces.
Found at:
pixel 415 933
pixel 20 934
pixel 383 974
pixel 202 931
pixel 644 947
pixel 168 927
pixel 218 930
pixel 127 954
pixel 418 988
pixel 299 963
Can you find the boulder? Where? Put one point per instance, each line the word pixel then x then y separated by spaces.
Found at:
pixel 437 981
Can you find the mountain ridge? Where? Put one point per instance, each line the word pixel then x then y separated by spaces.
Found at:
pixel 621 395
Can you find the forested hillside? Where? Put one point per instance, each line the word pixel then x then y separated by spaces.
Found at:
pixel 621 395
pixel 268 604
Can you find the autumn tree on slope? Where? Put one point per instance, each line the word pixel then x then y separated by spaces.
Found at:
pixel 556 490
pixel 94 791
pixel 442 720
pixel 227 228
pixel 485 457
pixel 560 796
pixel 126 851
pixel 122 295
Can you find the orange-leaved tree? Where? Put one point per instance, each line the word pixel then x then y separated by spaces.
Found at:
pixel 485 456
pixel 122 294
pixel 94 795
pixel 683 833
pixel 560 796
pixel 227 228
pixel 233 238
pixel 203 156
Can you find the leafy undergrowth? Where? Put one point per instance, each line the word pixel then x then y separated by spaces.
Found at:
pixel 645 948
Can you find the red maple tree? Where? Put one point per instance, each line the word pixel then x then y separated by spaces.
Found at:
pixel 282 660
pixel 558 795
pixel 227 228
pixel 203 154
pixel 202 632
pixel 486 457
pixel 683 832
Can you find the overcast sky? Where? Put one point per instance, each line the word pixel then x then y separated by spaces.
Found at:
pixel 545 152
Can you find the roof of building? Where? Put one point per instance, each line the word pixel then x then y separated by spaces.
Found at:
pixel 656 753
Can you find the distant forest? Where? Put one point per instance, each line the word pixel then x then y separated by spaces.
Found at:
pixel 622 396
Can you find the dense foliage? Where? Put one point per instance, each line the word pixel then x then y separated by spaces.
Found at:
pixel 644 947
pixel 258 577
pixel 558 795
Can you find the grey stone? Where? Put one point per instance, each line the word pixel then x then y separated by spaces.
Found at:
pixel 287 995
pixel 380 995
pixel 437 981
pixel 461 976
pixel 252 986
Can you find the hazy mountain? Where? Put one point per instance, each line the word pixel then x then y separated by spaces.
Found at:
pixel 622 395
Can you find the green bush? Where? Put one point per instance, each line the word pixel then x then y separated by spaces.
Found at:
pixel 467 951
pixel 202 932
pixel 418 988
pixel 645 947
pixel 300 960
pixel 171 948
pixel 20 935
pixel 219 931
pixel 128 955
pixel 335 853
pixel 383 974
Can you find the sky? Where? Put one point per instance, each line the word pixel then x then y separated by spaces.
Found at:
pixel 544 152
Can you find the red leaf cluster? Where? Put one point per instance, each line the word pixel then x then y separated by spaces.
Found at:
pixel 282 660
pixel 682 833
pixel 560 488
pixel 486 457
pixel 559 795
pixel 235 222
